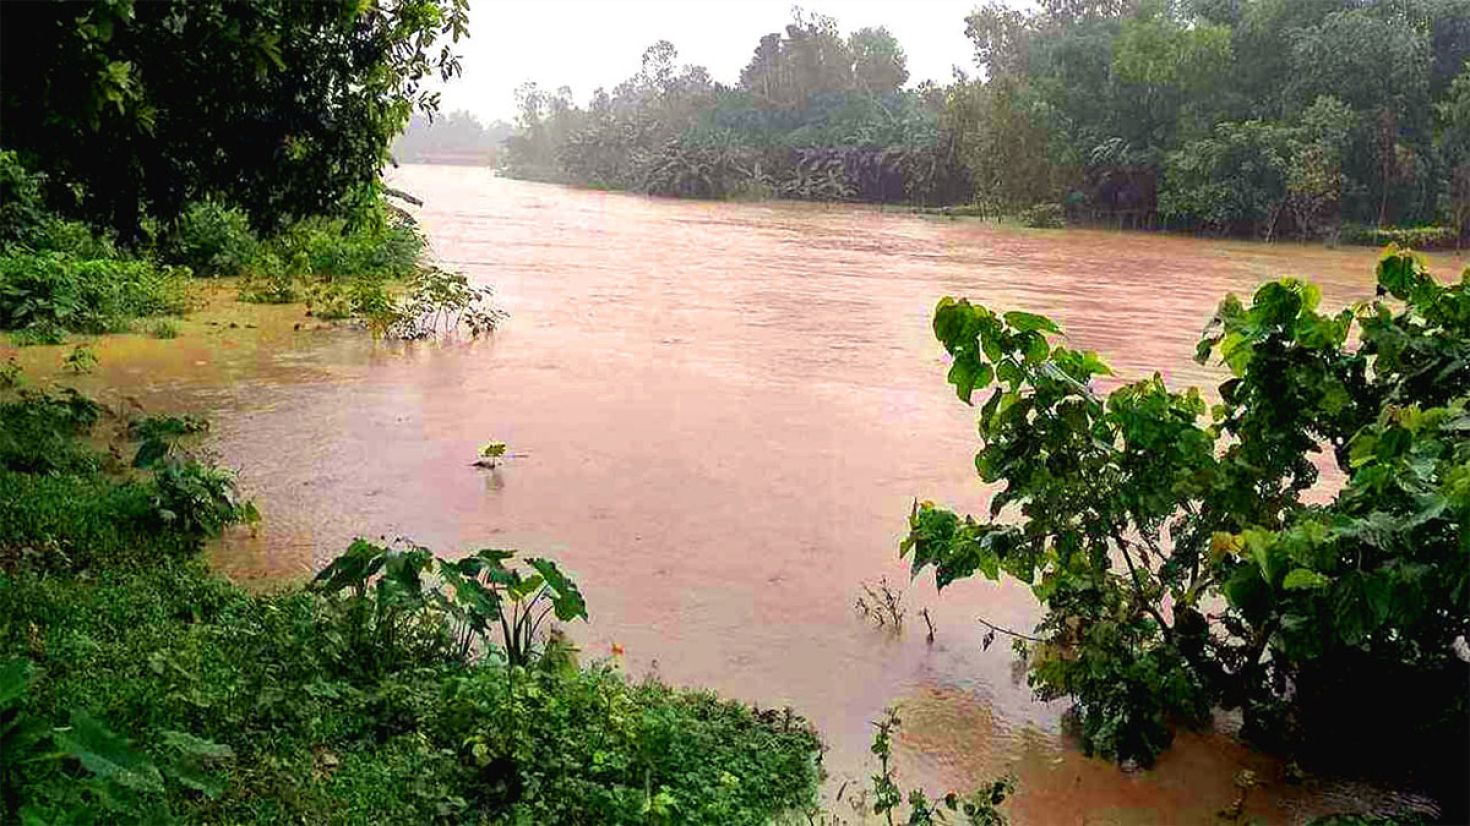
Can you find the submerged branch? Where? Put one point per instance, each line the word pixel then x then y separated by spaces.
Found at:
pixel 1008 632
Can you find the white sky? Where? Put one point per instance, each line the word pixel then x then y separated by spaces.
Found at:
pixel 589 43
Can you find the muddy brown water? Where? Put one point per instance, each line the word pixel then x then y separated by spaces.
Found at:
pixel 726 411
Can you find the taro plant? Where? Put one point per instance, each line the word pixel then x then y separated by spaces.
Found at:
pixel 196 498
pixel 1180 561
pixel 394 608
pixel 485 596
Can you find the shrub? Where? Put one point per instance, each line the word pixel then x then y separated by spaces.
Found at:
pixel 1179 560
pixel 1415 237
pixel 71 506
pixel 164 328
pixel 22 205
pixel 1044 216
pixel 50 291
pixel 212 240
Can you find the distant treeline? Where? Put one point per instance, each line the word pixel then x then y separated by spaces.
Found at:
pixel 1268 118
pixel 456 138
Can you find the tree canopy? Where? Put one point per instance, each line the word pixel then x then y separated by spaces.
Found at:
pixel 284 108
pixel 1262 118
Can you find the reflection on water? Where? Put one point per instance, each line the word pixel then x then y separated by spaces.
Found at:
pixel 726 410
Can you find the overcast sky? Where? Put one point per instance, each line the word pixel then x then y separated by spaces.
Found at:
pixel 589 43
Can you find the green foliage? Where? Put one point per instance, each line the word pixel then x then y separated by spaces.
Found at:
pixel 53 292
pixel 981 808
pixel 1044 216
pixel 567 746
pixel 483 604
pixel 211 239
pixel 1232 181
pixel 1408 237
pixel 815 117
pixel 439 301
pixel 1179 562
pixel 66 505
pixel 163 328
pixel 281 107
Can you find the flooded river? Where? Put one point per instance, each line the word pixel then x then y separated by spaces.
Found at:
pixel 725 411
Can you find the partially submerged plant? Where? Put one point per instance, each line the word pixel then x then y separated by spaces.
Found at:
pixel 979 808
pixel 881 604
pixel 482 602
pixel 439 301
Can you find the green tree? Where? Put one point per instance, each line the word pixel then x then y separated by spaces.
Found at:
pixel 1232 181
pixel 810 59
pixel 1454 147
pixel 1314 177
pixel 879 63
pixel 285 108
pixel 1171 542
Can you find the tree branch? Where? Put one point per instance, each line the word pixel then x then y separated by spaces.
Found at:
pixel 1143 600
pixel 1018 635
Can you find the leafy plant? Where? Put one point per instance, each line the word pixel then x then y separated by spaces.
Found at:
pixel 50 293
pixel 390 604
pixel 439 301
pixel 81 359
pixel 117 778
pixel 980 808
pixel 1179 562
pixel 212 239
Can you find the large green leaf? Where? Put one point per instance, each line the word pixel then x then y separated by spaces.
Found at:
pixel 107 755
pixel 15 676
pixel 566 599
pixel 1024 322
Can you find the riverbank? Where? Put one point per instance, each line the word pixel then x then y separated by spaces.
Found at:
pixel 137 685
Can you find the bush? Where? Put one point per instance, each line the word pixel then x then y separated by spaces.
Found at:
pixel 70 506
pixel 212 240
pixel 49 292
pixel 22 205
pixel 1415 237
pixel 1180 559
pixel 1044 216
pixel 164 328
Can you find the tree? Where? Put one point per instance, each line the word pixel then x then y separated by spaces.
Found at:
pixel 1454 147
pixel 1232 181
pixel 1181 565
pixel 811 59
pixel 879 64
pixel 1006 149
pixel 285 108
pixel 1001 36
pixel 1314 175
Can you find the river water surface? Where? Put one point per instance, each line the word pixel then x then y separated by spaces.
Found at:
pixel 725 411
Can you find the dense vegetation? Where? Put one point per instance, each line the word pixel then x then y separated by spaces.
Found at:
pixel 285 109
pixel 1256 117
pixel 135 686
pixel 1180 560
